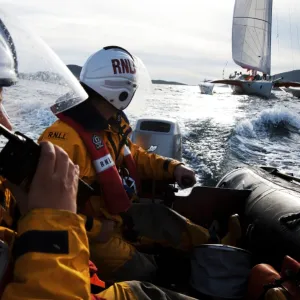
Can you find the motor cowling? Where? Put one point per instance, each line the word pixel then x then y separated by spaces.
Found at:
pixel 161 136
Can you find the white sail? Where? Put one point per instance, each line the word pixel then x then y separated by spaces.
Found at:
pixel 251 34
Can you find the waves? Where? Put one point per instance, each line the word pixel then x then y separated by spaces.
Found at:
pixel 223 131
pixel 271 137
pixel 204 148
pixel 275 122
pixel 28 106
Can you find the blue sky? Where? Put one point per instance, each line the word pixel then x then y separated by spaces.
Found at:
pixel 185 41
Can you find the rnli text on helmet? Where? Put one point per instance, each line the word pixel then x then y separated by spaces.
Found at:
pixel 122 66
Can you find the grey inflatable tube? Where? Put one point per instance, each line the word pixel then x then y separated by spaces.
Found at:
pixel 272 213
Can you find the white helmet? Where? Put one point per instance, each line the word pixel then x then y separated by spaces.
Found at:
pixel 8 58
pixel 112 72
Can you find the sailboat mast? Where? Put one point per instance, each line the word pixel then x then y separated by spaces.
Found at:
pixel 270 35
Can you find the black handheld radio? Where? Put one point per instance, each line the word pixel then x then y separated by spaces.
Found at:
pixel 19 159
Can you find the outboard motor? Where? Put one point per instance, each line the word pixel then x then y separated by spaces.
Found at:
pixel 161 136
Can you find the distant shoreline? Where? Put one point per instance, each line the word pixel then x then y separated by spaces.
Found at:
pixel 158 81
pixel 76 71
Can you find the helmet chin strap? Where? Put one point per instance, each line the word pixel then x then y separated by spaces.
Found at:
pixel 104 108
pixel 115 121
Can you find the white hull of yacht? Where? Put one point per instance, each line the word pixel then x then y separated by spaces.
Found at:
pixel 206 88
pixel 261 88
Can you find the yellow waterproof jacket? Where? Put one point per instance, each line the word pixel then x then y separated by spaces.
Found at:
pixel 149 166
pixel 52 257
pixel 52 262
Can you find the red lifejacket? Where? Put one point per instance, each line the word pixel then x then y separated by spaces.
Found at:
pixel 97 285
pixel 115 196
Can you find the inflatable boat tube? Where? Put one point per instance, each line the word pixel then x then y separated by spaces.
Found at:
pixel 272 212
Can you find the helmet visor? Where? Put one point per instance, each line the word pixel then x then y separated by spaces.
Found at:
pixel 143 89
pixel 42 79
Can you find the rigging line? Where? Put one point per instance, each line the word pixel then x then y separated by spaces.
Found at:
pixel 291 40
pixel 298 35
pixel 224 68
pixel 297 29
pixel 277 36
pixel 298 44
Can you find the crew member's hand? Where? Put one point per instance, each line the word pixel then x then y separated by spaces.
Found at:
pixel 184 176
pixel 54 184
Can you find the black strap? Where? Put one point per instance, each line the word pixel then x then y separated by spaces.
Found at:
pixel 116 123
pixel 123 141
pixel 166 164
pixel 89 223
pixel 52 242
